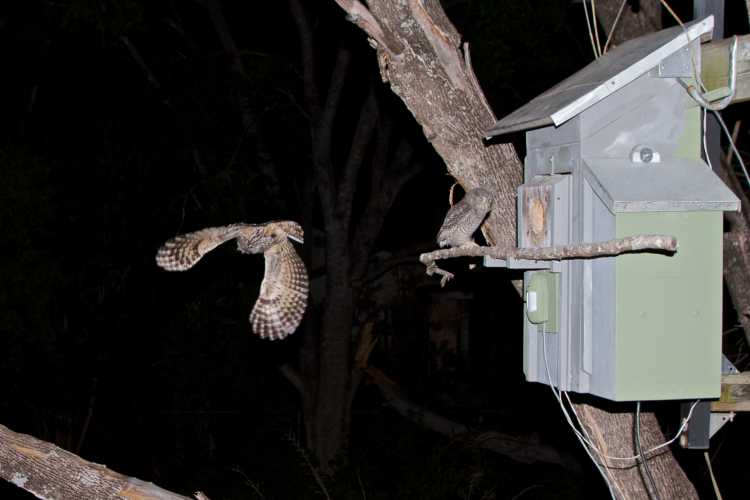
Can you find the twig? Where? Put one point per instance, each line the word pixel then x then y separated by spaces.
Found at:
pixel 640 243
pixel 249 483
pixel 315 473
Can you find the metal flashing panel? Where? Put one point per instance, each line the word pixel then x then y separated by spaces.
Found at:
pixel 601 78
pixel 676 185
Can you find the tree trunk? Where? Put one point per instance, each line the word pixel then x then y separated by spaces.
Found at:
pixel 633 22
pixel 419 53
pixel 329 384
pixel 737 249
pixel 47 471
pixel 330 420
pixel 612 433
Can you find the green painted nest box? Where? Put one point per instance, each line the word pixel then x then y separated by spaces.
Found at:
pixel 615 151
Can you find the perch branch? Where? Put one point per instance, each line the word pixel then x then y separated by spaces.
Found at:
pixel 640 243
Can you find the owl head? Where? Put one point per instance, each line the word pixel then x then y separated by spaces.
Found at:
pixel 264 236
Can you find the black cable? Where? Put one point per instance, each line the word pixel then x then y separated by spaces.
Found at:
pixel 651 484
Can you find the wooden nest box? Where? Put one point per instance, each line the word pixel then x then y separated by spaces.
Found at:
pixel 614 151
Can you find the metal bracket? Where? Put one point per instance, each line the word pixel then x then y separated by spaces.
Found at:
pixel 704 423
pixel 529 265
pixel 719 418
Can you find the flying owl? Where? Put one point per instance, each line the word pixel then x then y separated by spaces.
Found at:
pixel 283 292
pixel 464 218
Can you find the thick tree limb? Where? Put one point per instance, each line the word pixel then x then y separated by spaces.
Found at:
pixel 50 472
pixel 737 246
pixel 640 243
pixel 525 449
pixel 434 80
pixel 606 430
pixel 361 16
pixel 632 23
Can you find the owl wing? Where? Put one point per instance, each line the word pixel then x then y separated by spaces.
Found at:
pixel 283 293
pixel 184 251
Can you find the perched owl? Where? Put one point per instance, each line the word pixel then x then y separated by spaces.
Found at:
pixel 283 292
pixel 464 218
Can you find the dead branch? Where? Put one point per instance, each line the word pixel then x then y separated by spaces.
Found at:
pixel 639 243
pixel 362 17
pixel 48 471
pixel 525 449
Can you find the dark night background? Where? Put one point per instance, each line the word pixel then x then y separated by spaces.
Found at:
pixel 156 374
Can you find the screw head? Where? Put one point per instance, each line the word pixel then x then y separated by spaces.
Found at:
pixel 647 154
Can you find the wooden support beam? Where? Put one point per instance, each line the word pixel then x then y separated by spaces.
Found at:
pixel 715 66
pixel 735 393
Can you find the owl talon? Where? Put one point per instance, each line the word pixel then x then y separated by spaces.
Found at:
pixel 434 269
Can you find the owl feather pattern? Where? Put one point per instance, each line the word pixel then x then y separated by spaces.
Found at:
pixel 282 300
pixel 464 218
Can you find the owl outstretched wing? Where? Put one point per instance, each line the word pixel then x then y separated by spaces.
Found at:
pixel 283 293
pixel 184 251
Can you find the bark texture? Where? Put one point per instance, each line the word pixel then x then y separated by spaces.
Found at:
pixel 47 471
pixel 419 52
pixel 633 21
pixel 612 433
pixel 421 55
pixel 737 249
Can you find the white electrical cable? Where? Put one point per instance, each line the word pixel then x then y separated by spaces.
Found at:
pixel 585 439
pixel 698 97
pixel 591 32
pixel 733 146
pixel 614 26
pixel 596 28
pixel 713 478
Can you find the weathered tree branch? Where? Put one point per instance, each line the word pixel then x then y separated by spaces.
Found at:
pixel 737 249
pixel 640 243
pixel 362 17
pixel 519 448
pixel 50 472
pixel 434 81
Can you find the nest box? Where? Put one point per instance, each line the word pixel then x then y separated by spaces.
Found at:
pixel 614 151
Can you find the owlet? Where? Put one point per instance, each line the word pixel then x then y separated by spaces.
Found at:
pixel 283 292
pixel 463 218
